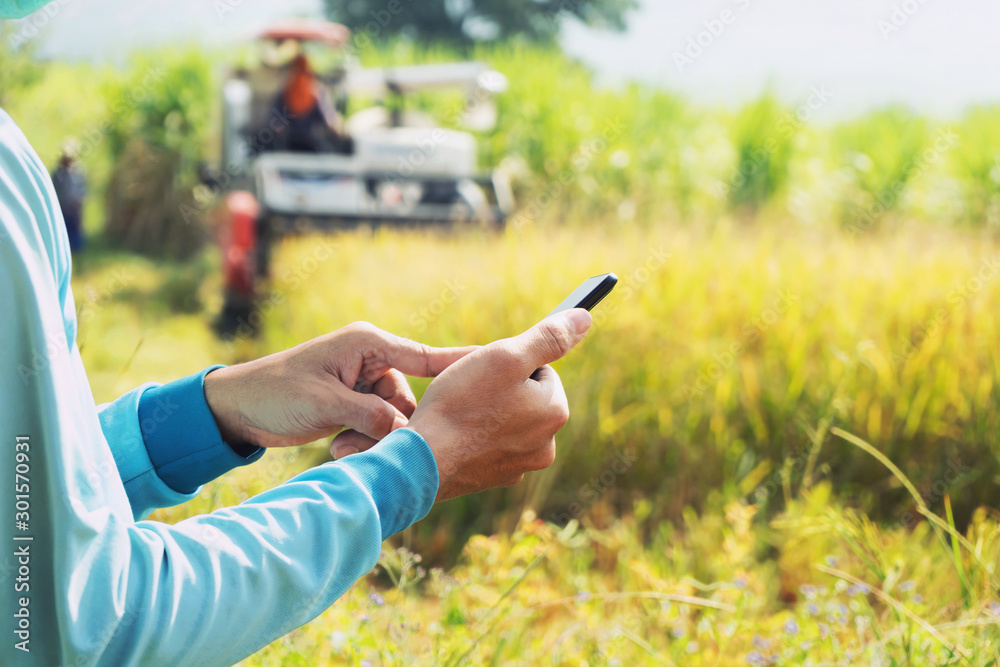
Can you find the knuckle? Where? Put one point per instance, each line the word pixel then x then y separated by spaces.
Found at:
pixel 360 327
pixel 377 421
pixel 556 340
pixel 559 414
pixel 545 457
pixel 424 350
pixel 513 481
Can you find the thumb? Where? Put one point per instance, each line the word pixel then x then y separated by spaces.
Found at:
pixel 368 414
pixel 549 340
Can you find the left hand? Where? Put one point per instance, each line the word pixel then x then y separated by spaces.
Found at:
pixel 351 378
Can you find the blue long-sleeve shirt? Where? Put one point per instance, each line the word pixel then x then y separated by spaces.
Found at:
pixel 83 579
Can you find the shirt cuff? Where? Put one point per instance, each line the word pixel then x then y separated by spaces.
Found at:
pixel 182 438
pixel 401 476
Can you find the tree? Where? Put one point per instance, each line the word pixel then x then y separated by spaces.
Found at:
pixel 474 20
pixel 18 70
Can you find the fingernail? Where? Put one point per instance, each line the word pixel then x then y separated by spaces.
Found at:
pixel 580 319
pixel 399 422
pixel 345 451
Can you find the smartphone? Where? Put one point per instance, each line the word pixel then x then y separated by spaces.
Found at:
pixel 589 294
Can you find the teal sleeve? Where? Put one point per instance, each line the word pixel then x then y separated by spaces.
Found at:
pixel 99 587
pixel 182 438
pixel 145 489
pixel 214 589
pixel 166 443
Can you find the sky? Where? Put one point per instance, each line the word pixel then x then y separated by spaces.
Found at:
pixel 936 56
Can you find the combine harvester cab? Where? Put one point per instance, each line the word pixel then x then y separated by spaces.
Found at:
pixel 384 165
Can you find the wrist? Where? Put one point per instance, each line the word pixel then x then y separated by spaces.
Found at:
pixel 223 407
pixel 432 433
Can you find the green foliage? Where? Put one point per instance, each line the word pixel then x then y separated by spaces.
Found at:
pixel 579 150
pixel 166 99
pixel 161 113
pixel 475 20
pixel 881 153
pixel 976 163
pixel 763 134
pixel 18 70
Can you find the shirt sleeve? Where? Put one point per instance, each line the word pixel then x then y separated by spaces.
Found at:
pixel 82 582
pixel 166 443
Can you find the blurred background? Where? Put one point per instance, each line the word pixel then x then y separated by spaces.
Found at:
pixel 783 446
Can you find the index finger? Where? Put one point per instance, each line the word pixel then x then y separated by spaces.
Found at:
pixel 420 360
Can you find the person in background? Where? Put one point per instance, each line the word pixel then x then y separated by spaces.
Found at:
pixel 71 189
pixel 313 123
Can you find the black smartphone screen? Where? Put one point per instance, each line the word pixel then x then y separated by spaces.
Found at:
pixel 588 294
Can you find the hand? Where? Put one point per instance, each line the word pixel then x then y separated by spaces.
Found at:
pixel 350 378
pixel 490 417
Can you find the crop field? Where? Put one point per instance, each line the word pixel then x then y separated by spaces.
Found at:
pixel 783 446
pixel 703 508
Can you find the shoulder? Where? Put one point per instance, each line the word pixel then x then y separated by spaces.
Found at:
pixel 32 231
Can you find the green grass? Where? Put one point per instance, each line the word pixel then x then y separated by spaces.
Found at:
pixel 738 493
pixel 797 409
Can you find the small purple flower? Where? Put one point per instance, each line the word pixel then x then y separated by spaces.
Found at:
pixel 677 632
pixel 377 599
pixel 907 586
pixel 366 663
pixel 824 630
pixel 995 608
pixel 812 608
pixel 858 589
pixel 791 627
pixel 756 658
pixel 583 596
pixel 831 561
pixel 917 598
pixel 760 642
pixel 808 591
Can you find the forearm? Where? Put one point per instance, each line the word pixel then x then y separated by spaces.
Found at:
pixel 216 588
pixel 213 589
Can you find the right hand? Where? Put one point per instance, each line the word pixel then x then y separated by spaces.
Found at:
pixel 490 417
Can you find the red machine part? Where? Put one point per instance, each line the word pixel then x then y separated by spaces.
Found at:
pixel 333 34
pixel 237 231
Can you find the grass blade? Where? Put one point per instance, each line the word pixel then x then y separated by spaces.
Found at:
pixel 898 606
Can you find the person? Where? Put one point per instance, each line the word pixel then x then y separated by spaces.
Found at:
pixel 312 123
pixel 71 189
pixel 86 579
